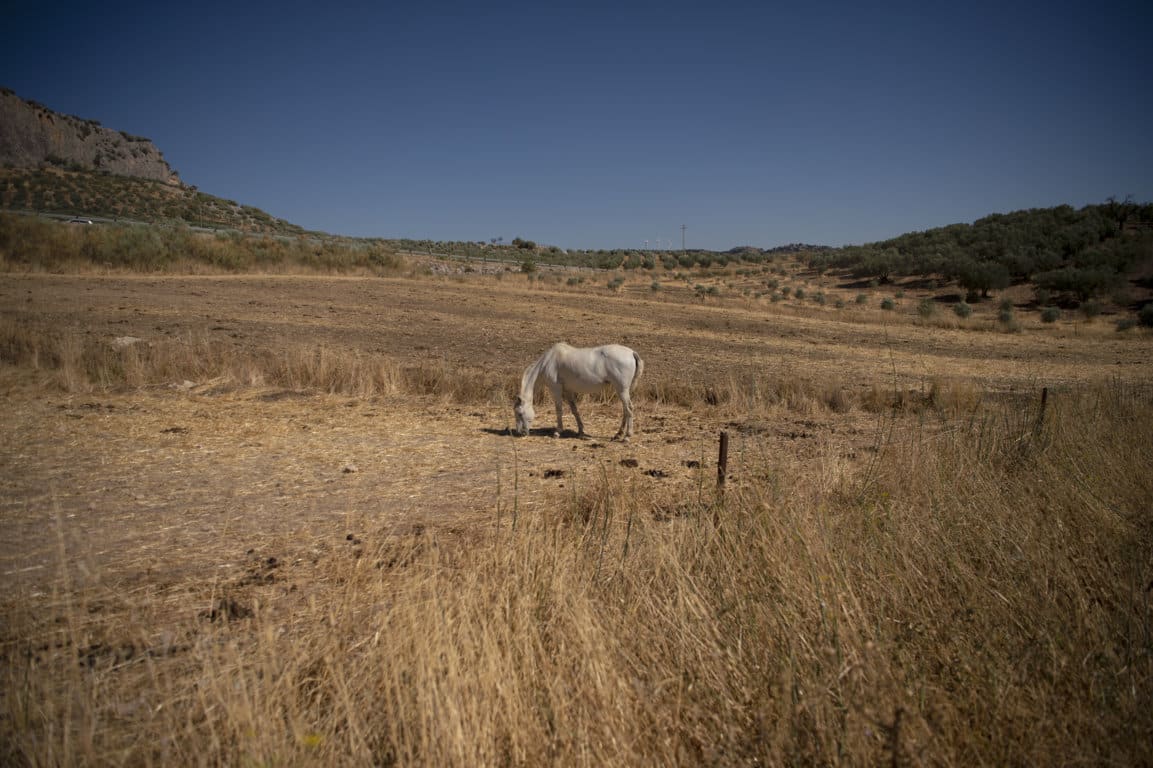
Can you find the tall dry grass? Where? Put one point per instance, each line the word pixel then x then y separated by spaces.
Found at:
pixel 977 595
pixel 70 362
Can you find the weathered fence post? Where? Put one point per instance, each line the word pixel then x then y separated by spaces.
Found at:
pixel 723 461
pixel 1040 423
pixel 722 473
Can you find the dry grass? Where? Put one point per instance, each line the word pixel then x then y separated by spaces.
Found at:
pixel 963 582
pixel 71 363
pixel 973 596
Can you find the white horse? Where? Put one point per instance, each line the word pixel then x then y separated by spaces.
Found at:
pixel 569 371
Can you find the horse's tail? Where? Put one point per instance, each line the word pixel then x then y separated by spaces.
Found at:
pixel 640 368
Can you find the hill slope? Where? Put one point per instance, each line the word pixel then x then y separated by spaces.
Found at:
pixel 101 194
pixel 1065 253
pixel 57 163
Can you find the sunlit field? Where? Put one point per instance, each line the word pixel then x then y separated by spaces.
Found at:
pixel 279 519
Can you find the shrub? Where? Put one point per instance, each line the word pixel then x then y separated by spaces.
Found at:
pixel 799 293
pixel 1050 315
pixel 887 303
pixel 962 309
pixel 1008 321
pixel 862 298
pixel 1145 316
pixel 1090 309
pixel 656 286
pixel 926 308
pixel 1125 323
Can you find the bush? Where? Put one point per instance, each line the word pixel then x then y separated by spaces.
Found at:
pixel 926 308
pixel 1050 315
pixel 656 286
pixel 799 293
pixel 862 298
pixel 1090 309
pixel 1008 321
pixel 887 304
pixel 962 309
pixel 1145 316
pixel 1125 323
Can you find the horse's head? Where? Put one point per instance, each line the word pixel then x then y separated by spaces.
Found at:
pixel 524 416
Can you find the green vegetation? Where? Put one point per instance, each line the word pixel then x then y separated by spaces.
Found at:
pixel 31 243
pixel 93 193
pixel 1072 258
pixel 1072 255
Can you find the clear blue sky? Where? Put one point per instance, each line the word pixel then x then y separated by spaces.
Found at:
pixel 590 125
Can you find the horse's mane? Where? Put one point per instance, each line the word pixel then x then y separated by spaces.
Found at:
pixel 530 381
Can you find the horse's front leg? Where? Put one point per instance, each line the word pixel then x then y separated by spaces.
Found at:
pixel 559 400
pixel 572 404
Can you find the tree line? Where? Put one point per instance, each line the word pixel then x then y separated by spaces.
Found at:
pixel 1069 255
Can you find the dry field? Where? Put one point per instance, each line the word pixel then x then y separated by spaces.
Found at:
pixel 281 521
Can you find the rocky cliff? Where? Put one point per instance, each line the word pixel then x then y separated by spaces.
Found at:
pixel 32 136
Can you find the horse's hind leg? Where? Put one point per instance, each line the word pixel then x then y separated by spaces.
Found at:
pixel 572 404
pixel 626 429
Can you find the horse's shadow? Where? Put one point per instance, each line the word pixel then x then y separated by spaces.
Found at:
pixel 538 432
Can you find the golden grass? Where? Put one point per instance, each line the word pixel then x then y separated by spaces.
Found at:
pixel 973 595
pixel 968 584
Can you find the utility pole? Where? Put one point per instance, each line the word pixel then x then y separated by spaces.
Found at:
pixel 682 238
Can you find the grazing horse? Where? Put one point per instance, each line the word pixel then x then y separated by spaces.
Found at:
pixel 569 371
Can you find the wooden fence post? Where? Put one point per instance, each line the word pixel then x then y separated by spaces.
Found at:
pixel 722 473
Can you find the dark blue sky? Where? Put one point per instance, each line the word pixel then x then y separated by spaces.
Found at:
pixel 600 126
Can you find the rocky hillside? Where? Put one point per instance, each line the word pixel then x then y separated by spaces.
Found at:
pixel 33 136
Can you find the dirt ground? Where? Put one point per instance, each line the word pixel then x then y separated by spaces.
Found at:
pixel 165 482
